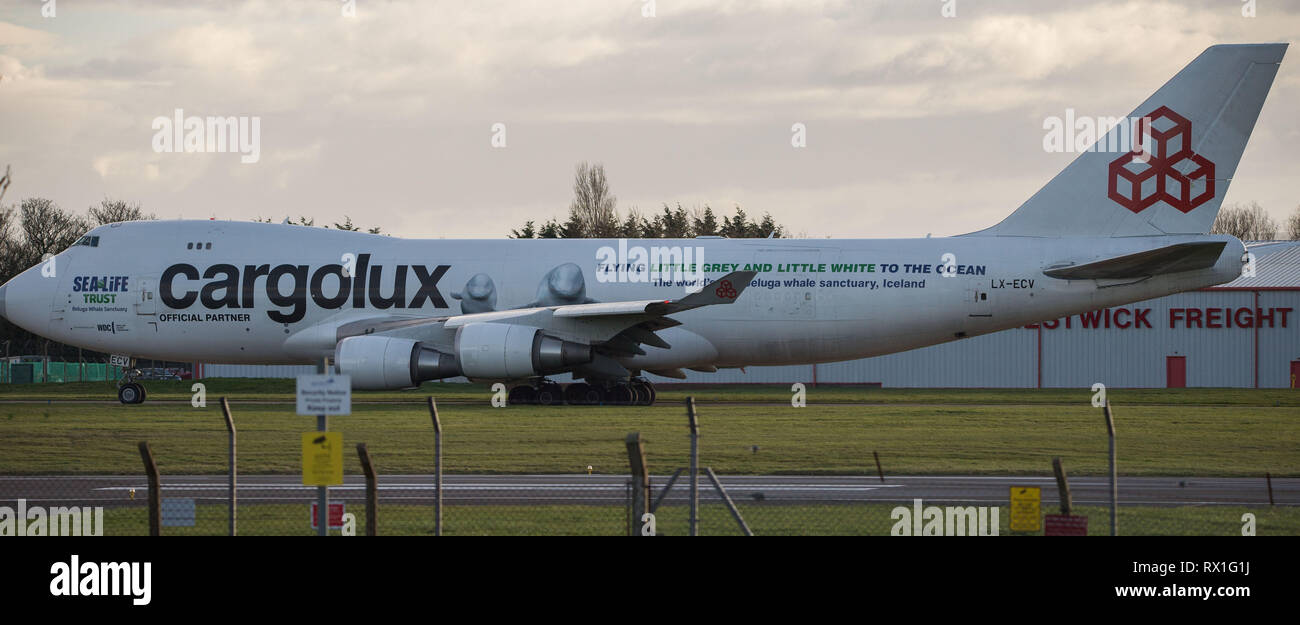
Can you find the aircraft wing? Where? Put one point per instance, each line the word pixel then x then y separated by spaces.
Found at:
pixel 620 326
pixel 723 291
pixel 1168 259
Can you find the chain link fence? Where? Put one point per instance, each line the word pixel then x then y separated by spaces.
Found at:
pixel 192 451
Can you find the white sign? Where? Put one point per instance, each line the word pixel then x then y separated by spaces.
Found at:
pixel 325 395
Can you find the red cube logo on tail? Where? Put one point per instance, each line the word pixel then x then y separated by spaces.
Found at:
pixel 1162 167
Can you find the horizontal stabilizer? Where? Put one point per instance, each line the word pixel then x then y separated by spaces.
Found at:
pixel 1169 259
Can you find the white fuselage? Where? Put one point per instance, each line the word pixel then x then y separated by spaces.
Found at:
pixel 234 292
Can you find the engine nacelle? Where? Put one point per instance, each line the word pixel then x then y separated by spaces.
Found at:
pixel 384 362
pixel 503 351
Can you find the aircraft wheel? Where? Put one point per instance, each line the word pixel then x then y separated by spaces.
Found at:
pixel 522 395
pixel 645 393
pixel 130 393
pixel 620 395
pixel 577 394
pixel 550 393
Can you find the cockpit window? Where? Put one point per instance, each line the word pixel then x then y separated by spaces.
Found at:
pixel 89 241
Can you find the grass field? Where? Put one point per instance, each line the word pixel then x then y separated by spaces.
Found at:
pixel 764 520
pixel 1194 432
pixel 283 390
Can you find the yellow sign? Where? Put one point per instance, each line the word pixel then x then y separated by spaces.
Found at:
pixel 1026 512
pixel 322 458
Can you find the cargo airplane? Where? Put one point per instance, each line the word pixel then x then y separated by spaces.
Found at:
pixel 1115 226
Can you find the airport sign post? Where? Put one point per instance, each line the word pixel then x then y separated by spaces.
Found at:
pixel 322 458
pixel 1026 511
pixel 323 394
pixel 336 512
pixel 1065 525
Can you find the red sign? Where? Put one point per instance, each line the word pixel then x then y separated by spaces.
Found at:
pixel 336 515
pixel 725 290
pixel 1187 318
pixel 1153 172
pixel 1063 525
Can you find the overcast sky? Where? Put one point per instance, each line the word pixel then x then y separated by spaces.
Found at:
pixel 916 123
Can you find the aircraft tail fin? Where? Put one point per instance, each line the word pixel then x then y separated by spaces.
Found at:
pixel 1165 168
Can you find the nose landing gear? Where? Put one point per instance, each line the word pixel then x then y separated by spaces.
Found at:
pixel 128 390
pixel 131 393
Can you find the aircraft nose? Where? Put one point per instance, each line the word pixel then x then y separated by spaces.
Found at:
pixel 25 300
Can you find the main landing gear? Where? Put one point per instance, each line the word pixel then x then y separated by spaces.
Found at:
pixel 637 392
pixel 128 390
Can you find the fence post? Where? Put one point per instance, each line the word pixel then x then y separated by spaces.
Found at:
pixel 437 467
pixel 155 489
pixel 695 465
pixel 372 490
pixel 1114 479
pixel 230 428
pixel 1062 487
pixel 323 492
pixel 640 480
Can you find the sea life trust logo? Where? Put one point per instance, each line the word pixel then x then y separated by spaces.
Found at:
pixel 1163 167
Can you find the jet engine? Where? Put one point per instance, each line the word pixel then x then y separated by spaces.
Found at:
pixel 384 362
pixel 489 351
pixel 502 351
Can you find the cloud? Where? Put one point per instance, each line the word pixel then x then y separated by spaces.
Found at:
pixel 698 100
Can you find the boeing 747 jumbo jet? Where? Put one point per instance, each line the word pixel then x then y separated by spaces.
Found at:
pixel 1125 221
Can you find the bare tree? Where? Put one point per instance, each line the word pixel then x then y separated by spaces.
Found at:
pixel 47 229
pixel 1248 222
pixel 10 247
pixel 4 182
pixel 1293 225
pixel 593 212
pixel 113 211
